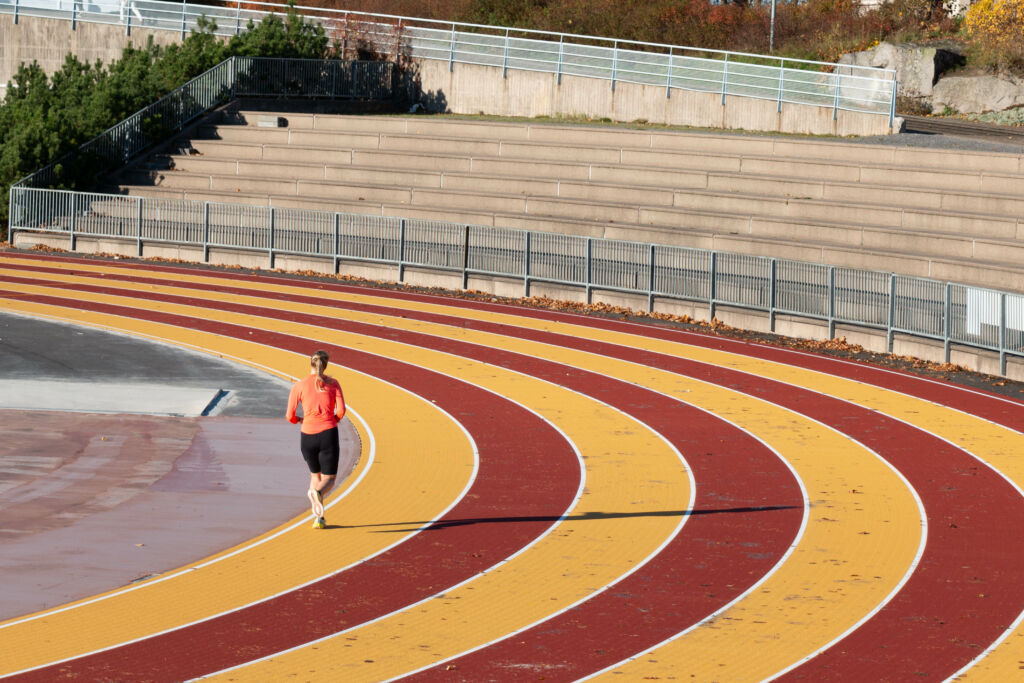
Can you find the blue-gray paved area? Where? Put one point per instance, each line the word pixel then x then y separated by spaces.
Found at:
pixel 123 476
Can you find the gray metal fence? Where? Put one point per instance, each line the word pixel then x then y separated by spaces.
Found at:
pixel 839 87
pixel 950 313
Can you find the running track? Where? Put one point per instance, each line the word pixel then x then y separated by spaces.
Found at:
pixel 544 495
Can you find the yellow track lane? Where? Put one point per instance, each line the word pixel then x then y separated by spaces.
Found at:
pixel 585 552
pixel 418 479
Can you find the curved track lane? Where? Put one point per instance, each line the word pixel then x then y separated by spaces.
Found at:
pixel 720 585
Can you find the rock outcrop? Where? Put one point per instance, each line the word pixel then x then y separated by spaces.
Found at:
pixel 978 93
pixel 917 68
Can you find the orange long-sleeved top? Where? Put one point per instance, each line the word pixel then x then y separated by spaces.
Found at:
pixel 321 409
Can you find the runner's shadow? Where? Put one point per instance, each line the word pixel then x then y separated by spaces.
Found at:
pixel 448 523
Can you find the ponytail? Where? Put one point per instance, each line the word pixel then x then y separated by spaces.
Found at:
pixel 318 361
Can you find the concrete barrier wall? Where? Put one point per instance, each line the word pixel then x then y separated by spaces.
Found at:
pixel 475 89
pixel 48 41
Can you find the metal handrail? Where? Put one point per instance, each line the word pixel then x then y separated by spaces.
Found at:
pixel 897 304
pixel 235 76
pixel 840 87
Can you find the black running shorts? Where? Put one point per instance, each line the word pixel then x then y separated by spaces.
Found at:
pixel 321 451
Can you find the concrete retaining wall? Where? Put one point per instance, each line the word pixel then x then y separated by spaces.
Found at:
pixel 793 326
pixel 48 41
pixel 475 89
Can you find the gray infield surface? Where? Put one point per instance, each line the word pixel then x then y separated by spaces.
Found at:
pixel 123 458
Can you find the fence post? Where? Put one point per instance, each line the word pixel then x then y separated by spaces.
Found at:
pixel 270 245
pixel 947 326
pixel 206 232
pixel 15 21
pixel 892 103
pixel 782 80
pixel 74 14
pixel 773 273
pixel 615 61
pixel 561 49
pixel 504 67
pixel 725 78
pixel 890 333
pixel 138 228
pixel 713 285
pixel 337 243
pixel 401 251
pixel 526 266
pixel 668 76
pixel 451 52
pixel 128 20
pixel 238 17
pixel 74 221
pixel 650 283
pixel 183 5
pixel 589 266
pixel 831 302
pixel 835 102
pixel 1002 333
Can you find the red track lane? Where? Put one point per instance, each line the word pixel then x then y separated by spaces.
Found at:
pixel 996 409
pixel 757 536
pixel 527 477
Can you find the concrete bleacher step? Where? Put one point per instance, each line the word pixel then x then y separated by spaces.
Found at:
pixel 867 206
pixel 951 189
pixel 701 143
pixel 724 193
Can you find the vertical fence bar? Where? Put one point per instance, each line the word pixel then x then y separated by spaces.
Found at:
pixel 725 78
pixel 138 228
pixel 337 243
pixel 773 274
pixel 401 251
pixel 831 302
pixel 782 80
pixel 835 101
pixel 183 20
pixel 128 17
pixel 526 265
pixel 713 285
pixel 465 258
pixel 561 52
pixel 650 283
pixel 890 332
pixel 238 17
pixel 270 240
pixel 947 328
pixel 1002 333
pixel 892 101
pixel 590 267
pixel 206 232
pixel 74 221
pixel 668 75
pixel 504 66
pixel 74 14
pixel 615 61
pixel 15 21
pixel 451 52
